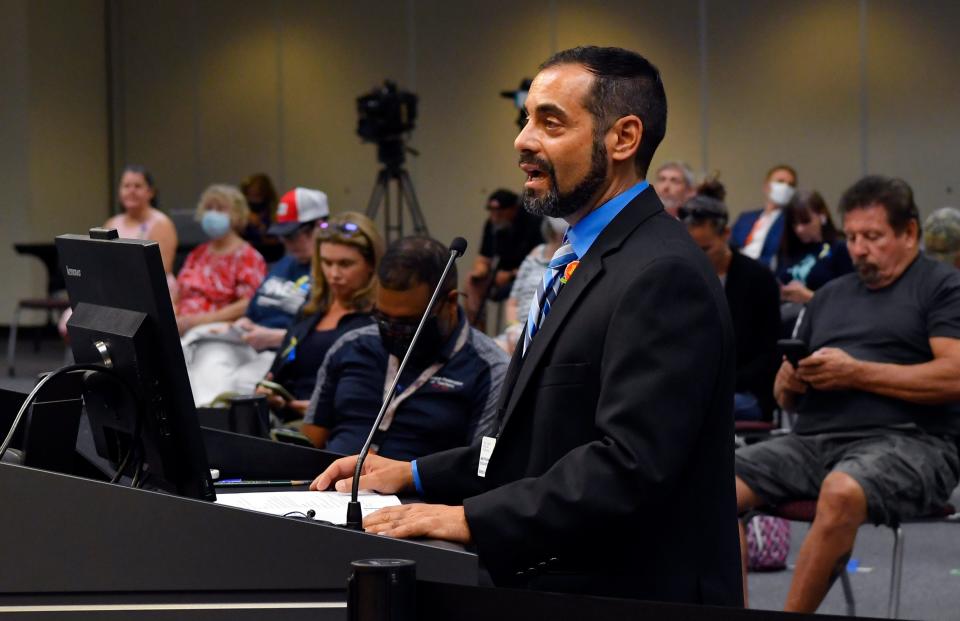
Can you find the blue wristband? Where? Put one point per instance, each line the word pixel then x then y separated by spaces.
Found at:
pixel 416 477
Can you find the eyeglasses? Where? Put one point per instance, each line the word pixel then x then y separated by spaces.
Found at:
pixel 303 229
pixel 401 328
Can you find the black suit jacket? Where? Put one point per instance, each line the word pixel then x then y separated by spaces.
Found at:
pixel 613 471
pixel 754 299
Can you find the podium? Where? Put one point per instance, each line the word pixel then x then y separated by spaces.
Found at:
pixel 67 540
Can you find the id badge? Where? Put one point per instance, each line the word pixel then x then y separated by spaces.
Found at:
pixel 486 450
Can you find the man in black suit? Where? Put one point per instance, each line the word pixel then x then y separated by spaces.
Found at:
pixel 610 473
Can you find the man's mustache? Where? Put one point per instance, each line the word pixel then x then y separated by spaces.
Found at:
pixel 543 165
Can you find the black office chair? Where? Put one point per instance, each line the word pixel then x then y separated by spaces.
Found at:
pixel 53 304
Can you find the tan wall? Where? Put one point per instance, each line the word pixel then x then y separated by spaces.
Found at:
pixel 53 129
pixel 209 91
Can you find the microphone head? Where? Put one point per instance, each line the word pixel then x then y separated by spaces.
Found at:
pixel 459 246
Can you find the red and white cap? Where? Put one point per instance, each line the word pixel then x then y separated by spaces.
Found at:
pixel 297 207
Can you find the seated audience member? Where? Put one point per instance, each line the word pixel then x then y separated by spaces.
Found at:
pixel 217 364
pixel 509 235
pixel 220 276
pixel 753 298
pixel 261 197
pixel 941 236
pixel 287 285
pixel 875 437
pixel 140 219
pixel 674 185
pixel 346 255
pixel 812 252
pixel 757 233
pixel 528 280
pixel 448 392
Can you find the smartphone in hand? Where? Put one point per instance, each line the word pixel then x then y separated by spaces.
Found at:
pixel 277 389
pixel 794 350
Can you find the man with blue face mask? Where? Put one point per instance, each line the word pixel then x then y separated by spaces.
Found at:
pixel 757 233
pixel 447 394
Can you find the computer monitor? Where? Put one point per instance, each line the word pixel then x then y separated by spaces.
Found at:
pixel 123 318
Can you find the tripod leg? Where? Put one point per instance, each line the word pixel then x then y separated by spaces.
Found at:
pixel 406 189
pixel 376 196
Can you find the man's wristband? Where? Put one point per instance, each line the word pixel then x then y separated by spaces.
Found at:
pixel 416 477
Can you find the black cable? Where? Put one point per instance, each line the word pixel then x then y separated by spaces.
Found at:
pixel 76 368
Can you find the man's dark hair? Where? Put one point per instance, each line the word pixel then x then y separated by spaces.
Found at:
pixel 893 194
pixel 504 198
pixel 624 83
pixel 787 167
pixel 415 260
pixel 703 209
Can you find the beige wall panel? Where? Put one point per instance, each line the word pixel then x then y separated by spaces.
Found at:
pixel 666 33
pixel 333 53
pixel 53 148
pixel 466 53
pixel 156 69
pixel 237 90
pixel 914 125
pixel 21 276
pixel 67 118
pixel 784 87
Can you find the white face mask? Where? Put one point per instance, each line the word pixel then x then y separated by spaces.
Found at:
pixel 780 193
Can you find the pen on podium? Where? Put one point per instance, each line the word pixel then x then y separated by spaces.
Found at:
pixel 249 483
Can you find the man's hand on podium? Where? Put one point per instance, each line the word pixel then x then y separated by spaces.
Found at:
pixel 389 476
pixel 420 520
pixel 386 476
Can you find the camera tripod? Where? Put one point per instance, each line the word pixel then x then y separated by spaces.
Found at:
pixel 393 223
pixel 391 156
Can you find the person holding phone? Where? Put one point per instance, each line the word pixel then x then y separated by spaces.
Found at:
pixel 875 438
pixel 347 251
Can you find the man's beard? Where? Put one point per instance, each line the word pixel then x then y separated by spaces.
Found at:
pixel 557 205
pixel 670 203
pixel 868 272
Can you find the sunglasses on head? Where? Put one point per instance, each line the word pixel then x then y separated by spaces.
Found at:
pixel 700 213
pixel 344 231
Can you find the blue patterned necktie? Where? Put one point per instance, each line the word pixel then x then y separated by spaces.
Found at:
pixel 548 290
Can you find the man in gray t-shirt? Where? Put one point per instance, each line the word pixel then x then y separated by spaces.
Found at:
pixel 877 425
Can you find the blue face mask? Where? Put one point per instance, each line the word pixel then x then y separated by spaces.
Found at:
pixel 215 224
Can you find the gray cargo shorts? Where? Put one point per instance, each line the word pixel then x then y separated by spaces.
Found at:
pixel 905 473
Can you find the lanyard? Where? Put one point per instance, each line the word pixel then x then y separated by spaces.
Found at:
pixel 393 363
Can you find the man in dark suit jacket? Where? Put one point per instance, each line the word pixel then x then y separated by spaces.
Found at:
pixel 611 470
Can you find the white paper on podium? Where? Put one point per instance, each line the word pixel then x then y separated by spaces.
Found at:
pixel 329 506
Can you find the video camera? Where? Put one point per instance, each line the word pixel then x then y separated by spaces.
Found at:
pixel 385 113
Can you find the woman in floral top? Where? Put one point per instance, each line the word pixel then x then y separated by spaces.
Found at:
pixel 220 276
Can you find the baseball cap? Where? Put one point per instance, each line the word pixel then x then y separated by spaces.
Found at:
pixel 941 234
pixel 297 207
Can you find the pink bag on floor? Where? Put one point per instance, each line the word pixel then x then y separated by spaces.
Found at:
pixel 768 543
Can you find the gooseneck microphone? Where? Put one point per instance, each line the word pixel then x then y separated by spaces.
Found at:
pixel 354 515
